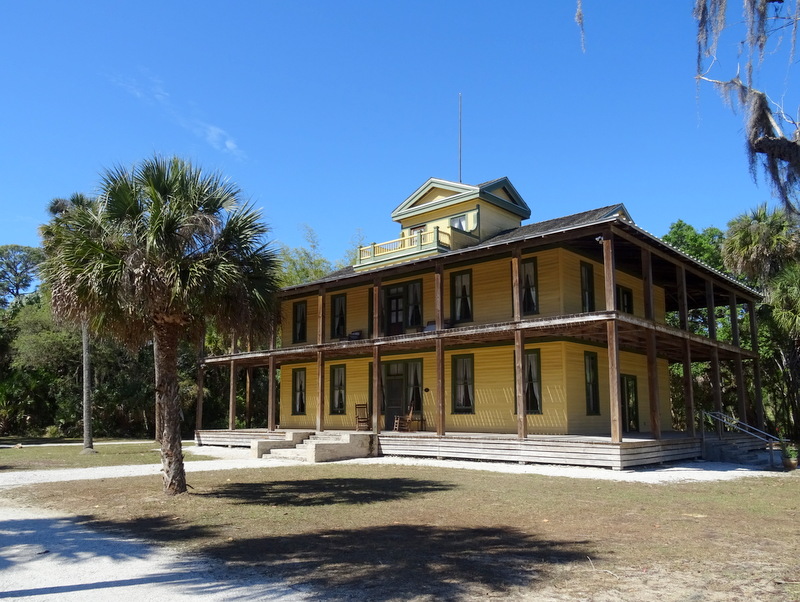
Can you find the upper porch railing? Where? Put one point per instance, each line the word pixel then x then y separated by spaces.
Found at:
pixel 399 248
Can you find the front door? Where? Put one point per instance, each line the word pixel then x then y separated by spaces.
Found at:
pixel 630 404
pixel 395 389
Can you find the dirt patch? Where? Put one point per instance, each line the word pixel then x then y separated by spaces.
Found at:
pixel 389 532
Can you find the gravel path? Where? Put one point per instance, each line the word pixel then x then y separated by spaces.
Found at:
pixel 46 556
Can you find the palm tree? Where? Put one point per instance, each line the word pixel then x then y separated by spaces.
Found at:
pixel 763 246
pixel 760 243
pixel 57 209
pixel 166 248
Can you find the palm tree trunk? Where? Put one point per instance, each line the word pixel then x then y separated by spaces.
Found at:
pixel 88 443
pixel 158 409
pixel 167 336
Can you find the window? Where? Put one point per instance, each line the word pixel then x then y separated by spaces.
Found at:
pixel 533 382
pixel 395 310
pixel 463 385
pixel 414 387
pixel 592 384
pixel 338 379
pixel 299 316
pixel 624 299
pixel 630 404
pixel 403 307
pixel 338 316
pixel 530 292
pixel 461 296
pixel 587 287
pixel 298 391
pixel 459 222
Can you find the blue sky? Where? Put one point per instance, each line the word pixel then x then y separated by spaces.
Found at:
pixel 331 113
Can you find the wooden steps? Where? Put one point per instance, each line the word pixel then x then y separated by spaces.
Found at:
pixel 235 438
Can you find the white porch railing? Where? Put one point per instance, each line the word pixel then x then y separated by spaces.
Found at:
pixel 404 246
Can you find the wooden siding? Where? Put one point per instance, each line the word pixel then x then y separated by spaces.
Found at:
pixel 570 270
pixel 491 291
pixel 563 391
pixel 311 320
pixel 493 220
pixel 548 281
pixel 494 392
pixel 356 308
pixel 630 363
pixel 441 217
pixel 307 420
pixel 559 286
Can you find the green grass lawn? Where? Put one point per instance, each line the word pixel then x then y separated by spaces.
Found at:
pixel 386 532
pixel 43 457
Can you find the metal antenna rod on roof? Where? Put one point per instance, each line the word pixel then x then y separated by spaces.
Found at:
pixel 459 138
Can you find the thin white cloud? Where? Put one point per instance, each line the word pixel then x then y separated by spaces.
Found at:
pixel 152 91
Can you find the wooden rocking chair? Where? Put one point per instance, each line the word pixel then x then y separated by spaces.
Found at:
pixel 402 423
pixel 362 417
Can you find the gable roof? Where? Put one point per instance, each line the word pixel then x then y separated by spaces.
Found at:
pixel 575 220
pixel 499 192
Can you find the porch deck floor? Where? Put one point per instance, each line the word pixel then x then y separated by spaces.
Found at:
pixel 577 450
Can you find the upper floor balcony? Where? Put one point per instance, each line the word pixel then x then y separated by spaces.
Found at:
pixel 417 245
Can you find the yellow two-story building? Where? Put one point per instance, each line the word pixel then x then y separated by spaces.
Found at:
pixel 471 322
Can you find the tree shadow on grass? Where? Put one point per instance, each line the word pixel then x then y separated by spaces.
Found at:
pixel 324 492
pixel 405 561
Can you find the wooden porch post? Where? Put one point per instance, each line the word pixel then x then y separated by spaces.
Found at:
pixel 232 387
pixel 248 396
pixel 716 376
pixel 232 397
pixel 716 386
pixel 735 321
pixel 201 373
pixel 654 393
pixel 377 390
pixel 688 388
pixel 516 295
pixel 198 414
pixel 273 332
pixel 440 414
pixel 711 322
pixel 652 385
pixel 376 308
pixel 321 316
pixel 741 392
pixel 683 304
pixel 612 332
pixel 320 391
pixel 271 394
pixel 759 401
pixel 438 296
pixel 519 355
